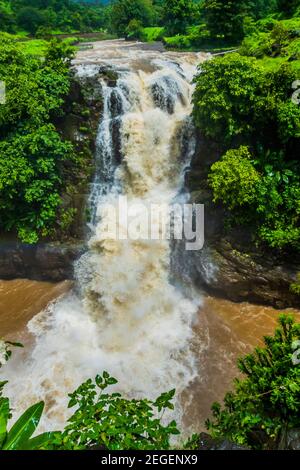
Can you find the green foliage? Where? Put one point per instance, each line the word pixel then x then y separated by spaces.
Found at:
pixel 155 33
pixel 274 39
pixel 113 422
pixel 32 153
pixel 101 420
pixel 134 30
pixel 124 11
pixel 179 41
pixel 30 19
pixel 7 19
pixel 266 403
pixel 270 196
pixel 19 437
pixel 6 352
pixel 228 93
pixel 234 180
pixel 237 101
pixel 178 15
pixel 225 18
pixel 288 8
pixel 63 15
pixel 277 206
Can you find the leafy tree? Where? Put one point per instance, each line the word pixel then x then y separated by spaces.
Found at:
pixel 7 20
pixel 278 206
pixel 225 18
pixel 134 30
pixel 177 15
pixel 30 19
pixel 236 101
pixel 228 91
pixel 264 405
pixel 261 8
pixel 101 420
pixel 288 7
pixel 234 179
pixel 124 11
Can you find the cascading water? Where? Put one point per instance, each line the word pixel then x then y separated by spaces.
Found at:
pixel 128 318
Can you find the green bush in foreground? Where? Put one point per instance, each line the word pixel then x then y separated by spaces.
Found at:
pixel 19 437
pixel 264 405
pixel 110 421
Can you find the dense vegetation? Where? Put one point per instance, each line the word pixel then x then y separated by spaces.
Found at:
pixel 259 413
pixel 40 16
pixel 32 153
pixel 265 405
pixel 244 100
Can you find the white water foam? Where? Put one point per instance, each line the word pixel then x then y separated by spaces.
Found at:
pixel 129 319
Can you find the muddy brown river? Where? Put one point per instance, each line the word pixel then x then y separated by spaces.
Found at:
pixel 21 299
pixel 224 331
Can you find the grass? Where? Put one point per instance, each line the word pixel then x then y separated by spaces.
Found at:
pixel 34 47
pixel 37 47
pixel 152 34
pixel 271 64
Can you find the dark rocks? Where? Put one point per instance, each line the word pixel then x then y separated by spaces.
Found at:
pixel 231 265
pixel 242 276
pixel 290 440
pixel 41 262
pixel 206 442
pixel 165 93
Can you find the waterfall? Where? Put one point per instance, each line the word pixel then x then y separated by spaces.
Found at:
pixel 127 317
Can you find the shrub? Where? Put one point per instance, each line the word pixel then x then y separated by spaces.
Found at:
pixel 266 403
pixel 234 180
pixel 228 92
pixel 134 30
pixel 113 422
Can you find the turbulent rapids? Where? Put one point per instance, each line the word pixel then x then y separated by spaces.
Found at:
pixel 125 317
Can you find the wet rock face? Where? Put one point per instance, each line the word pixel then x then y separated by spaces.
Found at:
pixel 206 442
pixel 244 275
pixel 43 262
pixel 230 265
pixel 292 440
pixel 165 93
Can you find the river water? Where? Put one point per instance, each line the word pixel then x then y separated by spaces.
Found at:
pixel 125 315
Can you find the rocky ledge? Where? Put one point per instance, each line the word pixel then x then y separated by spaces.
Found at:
pixel 231 265
pixel 43 262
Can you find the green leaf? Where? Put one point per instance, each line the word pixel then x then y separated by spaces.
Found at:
pixel 39 441
pixel 23 429
pixel 16 345
pixel 4 415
